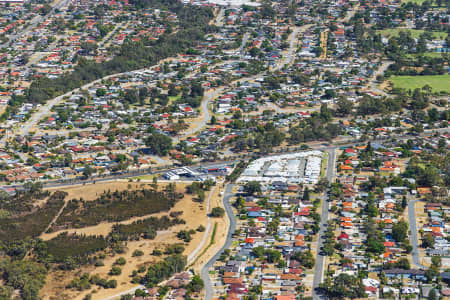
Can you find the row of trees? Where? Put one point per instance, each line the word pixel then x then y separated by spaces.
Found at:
pixel 146 228
pixel 118 206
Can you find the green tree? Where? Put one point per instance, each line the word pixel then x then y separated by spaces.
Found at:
pixel 87 171
pixel 272 256
pixel 431 273
pixel 400 230
pixel 404 202
pixel 328 248
pixel 252 187
pixel 272 227
pixel 258 251
pixel 196 285
pixel 306 259
pixel 217 212
pixel 137 252
pixel 306 196
pixel 344 286
pixel 159 144
pixel 5 292
pixel 431 176
pixel 375 246
pixel 432 295
pixel 100 92
pixel 436 261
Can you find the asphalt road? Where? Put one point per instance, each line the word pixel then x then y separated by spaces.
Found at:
pixel 320 259
pixel 229 160
pixel 243 43
pixel 292 49
pixel 78 181
pixel 209 291
pixel 40 55
pixel 413 237
pixel 206 114
pixel 219 18
pixel 373 80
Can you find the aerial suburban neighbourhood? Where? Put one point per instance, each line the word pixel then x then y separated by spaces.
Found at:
pixel 224 149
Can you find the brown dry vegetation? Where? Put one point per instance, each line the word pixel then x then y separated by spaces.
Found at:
pixel 194 214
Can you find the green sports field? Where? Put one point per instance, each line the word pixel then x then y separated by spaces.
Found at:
pixel 439 83
pixel 415 33
pixel 430 54
pixel 414 1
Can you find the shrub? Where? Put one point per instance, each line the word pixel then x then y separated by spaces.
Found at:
pixel 174 249
pixel 115 271
pixel 137 253
pixel 120 261
pixel 184 235
pixel 99 263
pixel 217 212
pixel 112 284
pixel 157 252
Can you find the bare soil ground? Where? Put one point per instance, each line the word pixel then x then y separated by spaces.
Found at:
pixel 193 123
pixel 194 213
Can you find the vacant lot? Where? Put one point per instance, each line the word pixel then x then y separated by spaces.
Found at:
pixel 194 213
pixel 116 206
pixel 439 83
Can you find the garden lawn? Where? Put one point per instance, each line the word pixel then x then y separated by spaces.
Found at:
pixel 439 83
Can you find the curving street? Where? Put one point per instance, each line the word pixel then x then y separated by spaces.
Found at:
pixel 209 290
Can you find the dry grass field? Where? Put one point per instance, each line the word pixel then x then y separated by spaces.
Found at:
pixel 194 213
